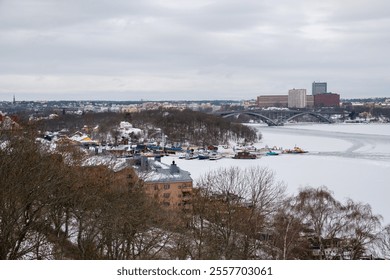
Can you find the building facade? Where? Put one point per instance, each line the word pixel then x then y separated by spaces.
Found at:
pixel 265 101
pixel 327 100
pixel 297 98
pixel 309 101
pixel 319 88
pixel 168 184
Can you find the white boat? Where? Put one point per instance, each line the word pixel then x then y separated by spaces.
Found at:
pixel 191 156
pixel 215 157
pixel 182 155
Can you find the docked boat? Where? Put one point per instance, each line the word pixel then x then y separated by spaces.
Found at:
pixel 190 156
pixel 272 153
pixel 244 155
pixel 182 155
pixel 203 156
pixel 215 156
pixel 296 150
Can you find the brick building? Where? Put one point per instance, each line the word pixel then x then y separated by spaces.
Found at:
pixel 327 100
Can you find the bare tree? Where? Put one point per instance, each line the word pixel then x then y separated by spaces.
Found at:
pixel 28 179
pixel 362 230
pixel 288 228
pixel 384 243
pixel 236 206
pixel 338 230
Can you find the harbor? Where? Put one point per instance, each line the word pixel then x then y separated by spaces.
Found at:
pixel 355 153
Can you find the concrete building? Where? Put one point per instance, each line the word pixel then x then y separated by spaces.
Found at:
pixel 319 88
pixel 297 98
pixel 265 101
pixel 327 100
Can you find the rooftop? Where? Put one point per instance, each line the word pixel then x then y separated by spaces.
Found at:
pixel 155 171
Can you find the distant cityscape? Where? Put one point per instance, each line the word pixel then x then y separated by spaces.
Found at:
pixel 298 98
pixel 320 97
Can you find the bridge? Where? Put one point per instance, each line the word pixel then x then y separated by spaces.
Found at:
pixel 279 117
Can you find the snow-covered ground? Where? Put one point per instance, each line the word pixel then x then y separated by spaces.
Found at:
pixel 352 160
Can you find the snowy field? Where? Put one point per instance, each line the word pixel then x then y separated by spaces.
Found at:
pixel 352 160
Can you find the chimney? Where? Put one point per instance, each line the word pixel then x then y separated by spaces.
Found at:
pixel 144 163
pixel 174 169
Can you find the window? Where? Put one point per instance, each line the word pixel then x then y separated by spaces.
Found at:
pixel 166 195
pixel 167 187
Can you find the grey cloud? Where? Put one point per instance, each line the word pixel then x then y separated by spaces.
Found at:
pixel 225 47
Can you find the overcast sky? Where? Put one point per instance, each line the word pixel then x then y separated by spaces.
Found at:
pixel 192 49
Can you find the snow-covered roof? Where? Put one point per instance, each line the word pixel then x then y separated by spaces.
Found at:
pixel 161 172
pixel 82 138
pixel 116 164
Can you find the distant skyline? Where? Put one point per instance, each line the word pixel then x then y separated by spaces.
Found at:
pixel 191 50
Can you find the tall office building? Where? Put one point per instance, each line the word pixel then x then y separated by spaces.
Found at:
pixel 318 88
pixel 297 98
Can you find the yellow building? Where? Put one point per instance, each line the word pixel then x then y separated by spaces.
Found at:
pixel 171 186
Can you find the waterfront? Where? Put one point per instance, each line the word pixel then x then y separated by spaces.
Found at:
pixel 352 160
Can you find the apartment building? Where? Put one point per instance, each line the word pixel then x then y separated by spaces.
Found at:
pixel 297 98
pixel 171 186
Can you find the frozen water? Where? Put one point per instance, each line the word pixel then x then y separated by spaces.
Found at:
pixel 352 160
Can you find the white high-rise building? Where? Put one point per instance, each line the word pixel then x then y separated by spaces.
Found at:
pixel 297 98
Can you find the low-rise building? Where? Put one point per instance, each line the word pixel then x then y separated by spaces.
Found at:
pixel 327 100
pixel 265 101
pixel 171 186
